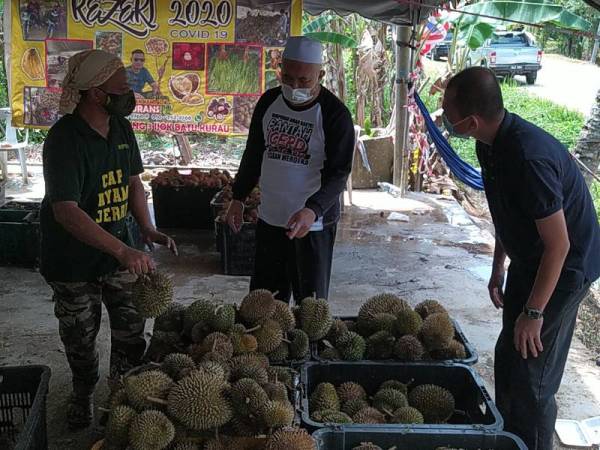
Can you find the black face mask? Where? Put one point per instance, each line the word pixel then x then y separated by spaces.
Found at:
pixel 119 104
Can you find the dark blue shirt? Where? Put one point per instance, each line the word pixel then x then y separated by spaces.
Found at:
pixel 137 81
pixel 529 175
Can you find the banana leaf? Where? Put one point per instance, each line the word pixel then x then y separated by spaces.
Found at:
pixel 530 11
pixel 318 24
pixel 333 38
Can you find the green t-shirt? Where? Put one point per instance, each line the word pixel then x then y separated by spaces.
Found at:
pixel 82 166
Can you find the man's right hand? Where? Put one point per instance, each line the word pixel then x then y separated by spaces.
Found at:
pixel 235 215
pixel 495 288
pixel 135 262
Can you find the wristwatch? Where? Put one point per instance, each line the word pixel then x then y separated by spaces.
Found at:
pixel 534 314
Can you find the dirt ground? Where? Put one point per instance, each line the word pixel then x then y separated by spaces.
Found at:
pixel 439 253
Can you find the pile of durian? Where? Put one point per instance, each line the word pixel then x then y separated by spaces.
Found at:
pixel 394 402
pixel 387 327
pixel 261 324
pixel 210 374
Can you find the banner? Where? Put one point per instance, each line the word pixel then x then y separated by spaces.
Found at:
pixel 194 65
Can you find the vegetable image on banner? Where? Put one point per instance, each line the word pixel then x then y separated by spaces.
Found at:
pixel 193 65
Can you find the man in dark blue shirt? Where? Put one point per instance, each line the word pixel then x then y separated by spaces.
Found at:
pixel 546 224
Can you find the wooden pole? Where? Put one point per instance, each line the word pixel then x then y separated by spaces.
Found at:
pixel 403 34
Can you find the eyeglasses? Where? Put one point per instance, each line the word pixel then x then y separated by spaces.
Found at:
pixel 139 59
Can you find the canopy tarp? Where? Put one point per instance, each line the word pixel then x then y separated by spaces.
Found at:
pixel 389 11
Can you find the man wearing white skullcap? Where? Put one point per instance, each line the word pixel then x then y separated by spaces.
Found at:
pixel 300 147
pixel 91 171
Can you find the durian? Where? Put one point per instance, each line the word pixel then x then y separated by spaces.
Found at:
pixel 222 318
pixel 338 327
pixel 185 446
pixel 290 439
pixel 394 384
pixel 248 397
pixel 154 383
pixel 369 415
pixel 152 294
pixel 219 343
pixel 283 316
pixel 118 398
pixel 331 416
pixel 278 414
pixel 276 391
pixel 324 397
pixel 280 354
pixel 151 430
pixel 242 341
pixel 407 321
pixel 248 368
pixel 282 374
pixel 257 306
pixel 380 345
pixel 350 391
pixel 455 350
pixel 408 348
pixel 198 402
pixel 428 307
pixel 299 344
pixel 367 446
pixel 269 336
pixel 351 346
pixel 383 303
pixel 198 313
pixel 219 369
pixel 176 365
pixel 171 319
pixel 379 322
pixel 352 407
pixel 389 400
pixel 162 343
pixel 434 402
pixel 330 354
pixel 315 318
pixel 252 358
pixel 437 331
pixel 117 428
pixel 407 414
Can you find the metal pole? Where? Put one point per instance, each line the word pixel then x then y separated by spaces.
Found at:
pixel 596 46
pixel 403 34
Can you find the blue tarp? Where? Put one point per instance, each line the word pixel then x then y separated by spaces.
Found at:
pixel 461 170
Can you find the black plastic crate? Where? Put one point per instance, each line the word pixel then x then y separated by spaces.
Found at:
pixel 23 392
pixel 471 358
pixel 19 237
pixel 238 250
pixel 183 207
pixel 477 410
pixel 341 438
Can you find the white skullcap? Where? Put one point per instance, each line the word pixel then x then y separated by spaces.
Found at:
pixel 303 49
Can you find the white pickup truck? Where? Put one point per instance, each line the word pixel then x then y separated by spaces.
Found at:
pixel 509 53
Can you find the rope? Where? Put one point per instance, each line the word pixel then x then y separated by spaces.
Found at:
pixel 462 170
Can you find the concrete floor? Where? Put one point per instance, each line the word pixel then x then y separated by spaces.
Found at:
pixel 439 253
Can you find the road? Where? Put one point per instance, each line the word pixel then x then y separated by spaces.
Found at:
pixel 564 81
pixel 568 82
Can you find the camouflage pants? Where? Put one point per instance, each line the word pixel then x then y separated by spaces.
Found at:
pixel 78 307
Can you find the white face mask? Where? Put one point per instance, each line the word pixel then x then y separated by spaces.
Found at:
pixel 296 96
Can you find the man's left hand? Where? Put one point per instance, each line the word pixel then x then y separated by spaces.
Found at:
pixel 152 236
pixel 300 223
pixel 527 336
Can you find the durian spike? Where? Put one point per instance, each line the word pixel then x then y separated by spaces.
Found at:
pixel 158 401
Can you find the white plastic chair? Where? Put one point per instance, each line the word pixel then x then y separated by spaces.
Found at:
pixel 11 143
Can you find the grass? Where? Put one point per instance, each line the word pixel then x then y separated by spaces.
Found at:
pixel 233 75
